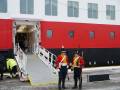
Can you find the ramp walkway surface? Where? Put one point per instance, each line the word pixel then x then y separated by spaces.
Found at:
pixel 38 72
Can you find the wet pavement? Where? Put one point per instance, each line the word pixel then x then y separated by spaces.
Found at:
pixel 15 84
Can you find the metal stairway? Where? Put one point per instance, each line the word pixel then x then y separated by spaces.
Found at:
pixel 38 72
pixel 37 67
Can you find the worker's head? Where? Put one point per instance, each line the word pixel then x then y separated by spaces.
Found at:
pixel 76 53
pixel 63 52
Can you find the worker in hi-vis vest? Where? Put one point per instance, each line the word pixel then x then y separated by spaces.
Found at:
pixel 77 65
pixel 61 64
pixel 12 66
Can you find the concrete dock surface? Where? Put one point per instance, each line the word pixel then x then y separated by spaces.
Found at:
pixel 15 84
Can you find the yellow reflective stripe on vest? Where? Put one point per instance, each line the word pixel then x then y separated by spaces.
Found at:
pixel 75 61
pixel 64 59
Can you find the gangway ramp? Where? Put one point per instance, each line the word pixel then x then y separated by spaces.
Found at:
pixel 38 72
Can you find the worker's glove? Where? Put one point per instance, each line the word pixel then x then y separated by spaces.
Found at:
pixel 58 70
pixel 67 67
pixel 54 65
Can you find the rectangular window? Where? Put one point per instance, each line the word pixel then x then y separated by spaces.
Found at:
pixel 49 33
pixel 73 8
pixel 51 7
pixel 92 35
pixel 26 6
pixel 110 12
pixel 92 10
pixel 112 35
pixel 3 6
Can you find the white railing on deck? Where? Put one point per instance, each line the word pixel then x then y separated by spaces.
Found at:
pixel 47 57
pixel 21 59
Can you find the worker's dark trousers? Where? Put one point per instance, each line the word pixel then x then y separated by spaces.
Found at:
pixel 14 70
pixel 62 76
pixel 77 76
pixel 2 67
pixel 1 72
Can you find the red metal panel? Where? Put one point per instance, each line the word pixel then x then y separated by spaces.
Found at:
pixel 6 34
pixel 81 38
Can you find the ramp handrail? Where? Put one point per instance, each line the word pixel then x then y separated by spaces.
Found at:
pixel 47 57
pixel 21 59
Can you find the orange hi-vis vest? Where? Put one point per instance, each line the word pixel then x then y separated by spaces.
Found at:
pixel 64 59
pixel 76 62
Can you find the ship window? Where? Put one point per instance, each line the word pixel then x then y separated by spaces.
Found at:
pixel 51 7
pixel 73 9
pixel 49 33
pixel 92 10
pixel 112 35
pixel 110 12
pixel 3 6
pixel 26 6
pixel 71 34
pixel 92 35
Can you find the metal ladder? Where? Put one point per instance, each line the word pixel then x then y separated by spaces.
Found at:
pixel 36 66
pixel 47 57
pixel 21 59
